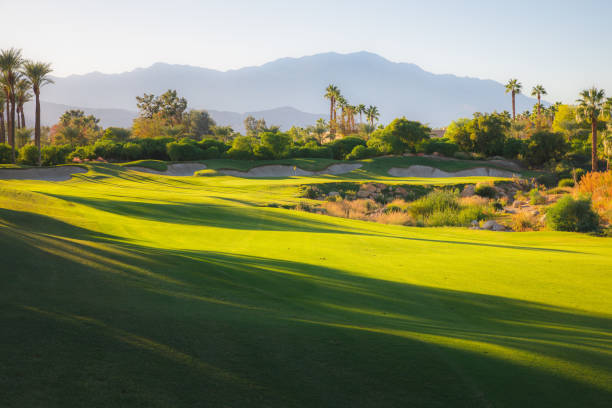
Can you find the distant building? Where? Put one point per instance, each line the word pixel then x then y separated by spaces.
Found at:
pixel 438 133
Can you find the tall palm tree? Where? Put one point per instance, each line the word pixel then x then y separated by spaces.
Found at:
pixel 10 62
pixel 538 91
pixel 591 105
pixel 514 86
pixel 372 114
pixel 360 109
pixel 37 73
pixel 332 92
pixel 342 104
pixel 21 97
pixel 2 127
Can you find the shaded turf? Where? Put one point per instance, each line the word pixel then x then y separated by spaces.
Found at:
pixel 122 289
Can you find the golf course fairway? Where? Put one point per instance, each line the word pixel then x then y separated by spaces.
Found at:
pixel 121 288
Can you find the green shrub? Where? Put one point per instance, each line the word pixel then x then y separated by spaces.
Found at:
pixel 536 197
pixel 342 147
pixel 513 148
pixel 28 154
pixel 5 153
pixel 155 148
pixel 438 145
pixel 131 151
pixel 361 152
pixel 545 146
pixel 184 151
pixel 82 152
pixel 55 154
pixel 436 201
pixel 107 149
pixel 485 190
pixel 575 215
pixel 566 183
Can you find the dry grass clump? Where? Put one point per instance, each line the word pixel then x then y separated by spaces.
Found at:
pixel 395 218
pixel 599 187
pixel 356 209
pixel 524 221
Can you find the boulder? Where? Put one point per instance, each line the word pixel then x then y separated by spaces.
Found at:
pixel 363 194
pixel 333 194
pixel 492 225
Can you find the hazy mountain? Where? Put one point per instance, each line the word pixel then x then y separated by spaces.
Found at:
pixel 398 89
pixel 284 117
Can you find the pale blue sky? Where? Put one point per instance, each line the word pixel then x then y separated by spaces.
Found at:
pixel 563 44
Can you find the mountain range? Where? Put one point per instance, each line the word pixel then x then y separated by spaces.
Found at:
pixel 295 84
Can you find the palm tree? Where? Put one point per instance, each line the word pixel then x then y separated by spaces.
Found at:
pixel 10 62
pixel 37 73
pixel 2 127
pixel 360 109
pixel 21 97
pixel 332 93
pixel 372 114
pixel 514 86
pixel 591 106
pixel 342 104
pixel 538 91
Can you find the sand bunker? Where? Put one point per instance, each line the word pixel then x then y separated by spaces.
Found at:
pixel 279 170
pixel 176 169
pixel 427 171
pixel 62 173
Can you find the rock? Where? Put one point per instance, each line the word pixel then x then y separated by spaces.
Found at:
pixel 401 190
pixel 498 227
pixel 468 191
pixel 334 194
pixel 518 204
pixel 474 223
pixel 509 210
pixel 492 225
pixel 363 194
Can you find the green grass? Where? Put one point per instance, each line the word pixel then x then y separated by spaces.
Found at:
pixel 124 289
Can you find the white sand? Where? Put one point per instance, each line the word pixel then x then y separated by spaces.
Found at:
pixel 62 173
pixel 279 170
pixel 427 172
pixel 176 169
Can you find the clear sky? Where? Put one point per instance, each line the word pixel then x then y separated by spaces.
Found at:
pixel 563 44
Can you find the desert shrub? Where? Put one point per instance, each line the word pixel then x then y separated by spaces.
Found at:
pixel 599 187
pixel 131 151
pixel 566 183
pixel 575 215
pixel 394 218
pixel 485 190
pixel 436 201
pixel 185 150
pixel 207 173
pixel 536 197
pixel 524 221
pixel 28 154
pixel 396 206
pixel 5 153
pixel 310 192
pixel 55 154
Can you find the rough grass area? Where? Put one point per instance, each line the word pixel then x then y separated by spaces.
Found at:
pixel 128 289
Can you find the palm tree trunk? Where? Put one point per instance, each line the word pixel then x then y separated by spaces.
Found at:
pixel 594 163
pixel 23 124
pixel 513 106
pixel 2 129
pixel 331 113
pixel 539 104
pixel 37 128
pixel 12 135
pixel 8 119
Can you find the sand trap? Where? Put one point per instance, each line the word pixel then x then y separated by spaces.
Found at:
pixel 279 170
pixel 427 171
pixel 176 169
pixel 62 173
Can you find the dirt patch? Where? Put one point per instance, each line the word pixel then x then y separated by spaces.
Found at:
pixel 279 170
pixel 176 169
pixel 432 172
pixel 62 173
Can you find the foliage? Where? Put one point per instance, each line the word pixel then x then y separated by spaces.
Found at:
pixel 28 154
pixel 399 136
pixel 514 148
pixel 599 187
pixel 76 129
pixel 575 215
pixel 184 150
pixel 116 134
pixel 279 144
pixel 53 155
pixel 485 190
pixel 438 145
pixel 536 197
pixel 459 132
pixel 5 153
pixel 566 182
pixel 545 146
pixel 242 148
pixel 487 133
pixel 198 123
pixel 342 147
pixel 23 136
pixel 167 106
pixel 361 152
pixel 131 151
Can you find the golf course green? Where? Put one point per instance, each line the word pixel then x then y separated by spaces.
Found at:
pixel 122 288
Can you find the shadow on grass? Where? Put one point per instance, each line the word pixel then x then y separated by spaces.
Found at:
pixel 301 334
